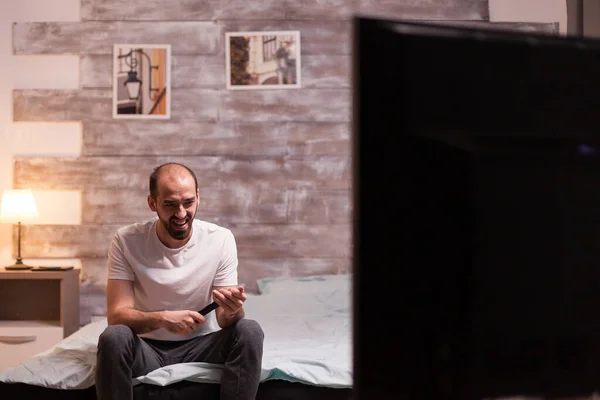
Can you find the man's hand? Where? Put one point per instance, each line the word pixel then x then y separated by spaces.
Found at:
pixel 182 322
pixel 231 299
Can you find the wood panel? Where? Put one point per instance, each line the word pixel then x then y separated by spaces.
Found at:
pixel 148 10
pixel 65 241
pixel 248 10
pixel 95 71
pixel 306 105
pixel 195 104
pixel 306 139
pixel 253 241
pixel 61 105
pixel 199 37
pixel 208 71
pixel 198 71
pixel 307 172
pixel 326 71
pixel 322 105
pixel 143 137
pixel 214 9
pixel 234 204
pixel 420 9
pixel 191 38
pixel 290 241
pixel 318 207
pixel 151 10
pixel 237 204
pixel 319 9
pixel 96 105
pixel 106 206
pixel 131 173
pixel 244 204
pixel 103 172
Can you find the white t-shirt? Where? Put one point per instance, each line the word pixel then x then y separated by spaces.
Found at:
pixel 174 279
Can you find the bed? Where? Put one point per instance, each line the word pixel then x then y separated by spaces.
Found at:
pixel 307 351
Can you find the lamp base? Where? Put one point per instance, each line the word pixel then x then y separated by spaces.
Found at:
pixel 17 267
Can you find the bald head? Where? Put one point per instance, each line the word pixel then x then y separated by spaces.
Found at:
pixel 171 170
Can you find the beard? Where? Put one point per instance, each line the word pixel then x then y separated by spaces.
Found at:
pixel 174 231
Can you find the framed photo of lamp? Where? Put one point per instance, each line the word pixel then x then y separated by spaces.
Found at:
pixel 262 60
pixel 142 81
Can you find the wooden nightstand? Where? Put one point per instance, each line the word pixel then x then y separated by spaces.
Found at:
pixel 37 310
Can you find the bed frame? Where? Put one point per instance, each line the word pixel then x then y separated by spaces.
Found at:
pixel 184 390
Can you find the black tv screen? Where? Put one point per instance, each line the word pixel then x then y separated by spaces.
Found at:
pixel 476 212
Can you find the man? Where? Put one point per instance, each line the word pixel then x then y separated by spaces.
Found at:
pixel 160 274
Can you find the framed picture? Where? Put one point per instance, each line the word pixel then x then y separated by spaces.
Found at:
pixel 142 81
pixel 262 60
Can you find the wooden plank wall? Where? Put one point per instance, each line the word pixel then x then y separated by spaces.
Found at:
pixel 273 165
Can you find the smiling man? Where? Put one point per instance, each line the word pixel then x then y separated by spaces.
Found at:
pixel 160 273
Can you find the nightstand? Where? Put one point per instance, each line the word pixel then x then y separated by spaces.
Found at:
pixel 37 310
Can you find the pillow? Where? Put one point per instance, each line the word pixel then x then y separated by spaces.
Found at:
pixel 304 284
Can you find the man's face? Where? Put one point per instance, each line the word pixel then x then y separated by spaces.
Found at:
pixel 176 203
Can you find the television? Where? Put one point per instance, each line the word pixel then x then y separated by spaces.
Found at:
pixel 476 198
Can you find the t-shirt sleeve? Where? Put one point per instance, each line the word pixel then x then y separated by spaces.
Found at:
pixel 118 266
pixel 227 270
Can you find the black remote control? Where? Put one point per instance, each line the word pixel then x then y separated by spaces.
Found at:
pixel 208 308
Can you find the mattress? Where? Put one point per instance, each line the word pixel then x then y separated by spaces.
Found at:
pixel 307 326
pixel 184 390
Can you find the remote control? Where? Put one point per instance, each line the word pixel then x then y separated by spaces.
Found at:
pixel 208 308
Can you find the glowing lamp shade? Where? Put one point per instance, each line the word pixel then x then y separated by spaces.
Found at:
pixel 18 205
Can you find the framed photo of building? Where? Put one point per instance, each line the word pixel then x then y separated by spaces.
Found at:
pixel 142 81
pixel 262 60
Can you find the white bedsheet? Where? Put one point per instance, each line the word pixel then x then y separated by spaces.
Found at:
pixel 307 339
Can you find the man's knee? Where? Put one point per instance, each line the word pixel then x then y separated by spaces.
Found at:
pixel 249 330
pixel 115 337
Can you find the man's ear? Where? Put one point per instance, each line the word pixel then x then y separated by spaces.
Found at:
pixel 151 203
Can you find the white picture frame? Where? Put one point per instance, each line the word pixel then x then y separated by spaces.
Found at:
pixel 258 60
pixel 151 65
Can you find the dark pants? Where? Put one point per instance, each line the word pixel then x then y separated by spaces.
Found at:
pixel 122 355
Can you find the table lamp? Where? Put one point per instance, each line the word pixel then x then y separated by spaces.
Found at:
pixel 18 205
